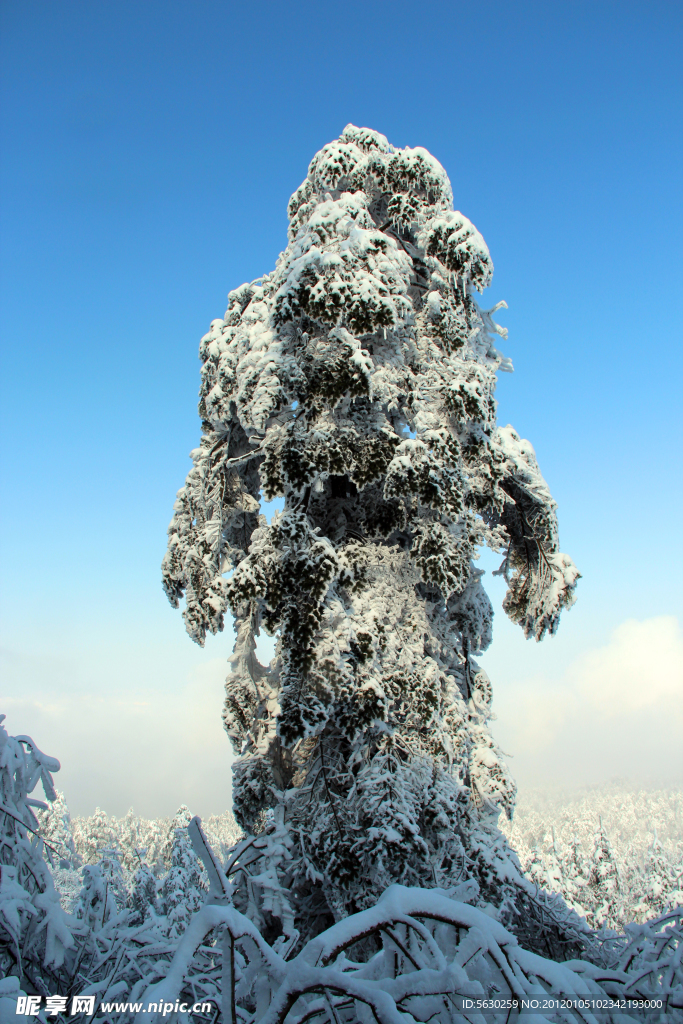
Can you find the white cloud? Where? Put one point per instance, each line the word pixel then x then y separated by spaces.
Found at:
pixel 144 747
pixel 132 723
pixel 615 711
pixel 640 669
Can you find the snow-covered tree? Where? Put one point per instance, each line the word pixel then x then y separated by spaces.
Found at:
pixel 97 902
pixel 546 866
pixel 605 882
pixel 575 875
pixel 661 882
pixel 93 836
pixel 356 381
pixel 55 829
pixel 181 819
pixel 129 841
pixel 536 868
pixel 142 899
pixel 223 832
pixel 153 836
pixel 183 891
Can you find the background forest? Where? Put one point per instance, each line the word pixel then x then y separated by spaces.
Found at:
pixel 615 854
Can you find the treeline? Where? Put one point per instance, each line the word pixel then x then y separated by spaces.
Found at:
pixel 134 858
pixel 615 854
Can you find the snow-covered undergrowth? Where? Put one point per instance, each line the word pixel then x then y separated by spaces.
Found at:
pixel 176 937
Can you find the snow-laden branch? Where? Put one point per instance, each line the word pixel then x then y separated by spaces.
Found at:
pixel 419 954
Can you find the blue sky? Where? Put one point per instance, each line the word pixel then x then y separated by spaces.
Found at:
pixel 149 151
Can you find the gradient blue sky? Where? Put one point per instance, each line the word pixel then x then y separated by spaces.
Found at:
pixel 149 150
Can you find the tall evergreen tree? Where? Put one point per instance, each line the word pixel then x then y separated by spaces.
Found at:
pixel 356 382
pixel 55 829
pixel 182 892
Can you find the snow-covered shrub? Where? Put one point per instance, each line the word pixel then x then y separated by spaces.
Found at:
pixel 647 965
pixel 35 932
pixel 416 955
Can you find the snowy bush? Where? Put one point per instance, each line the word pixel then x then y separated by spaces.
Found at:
pixel 34 930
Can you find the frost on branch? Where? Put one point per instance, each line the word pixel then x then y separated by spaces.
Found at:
pixel 356 381
pixel 541 580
